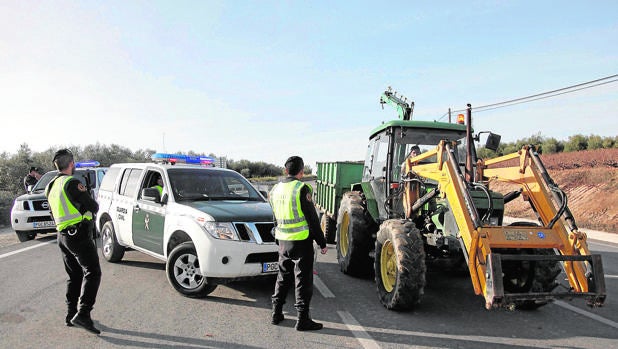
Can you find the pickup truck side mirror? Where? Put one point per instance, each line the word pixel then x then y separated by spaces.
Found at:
pixel 264 194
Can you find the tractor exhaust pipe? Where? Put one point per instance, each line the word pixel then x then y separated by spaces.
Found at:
pixel 469 144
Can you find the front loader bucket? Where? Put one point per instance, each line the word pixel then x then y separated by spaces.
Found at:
pixel 495 295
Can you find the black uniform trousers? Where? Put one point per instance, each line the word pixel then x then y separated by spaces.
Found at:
pixel 295 268
pixel 81 262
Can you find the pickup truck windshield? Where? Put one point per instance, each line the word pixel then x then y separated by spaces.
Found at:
pixel 193 184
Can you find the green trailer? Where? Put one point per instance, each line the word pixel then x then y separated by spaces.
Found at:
pixel 333 180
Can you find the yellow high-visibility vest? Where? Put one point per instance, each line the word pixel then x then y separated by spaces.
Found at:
pixel 285 201
pixel 64 212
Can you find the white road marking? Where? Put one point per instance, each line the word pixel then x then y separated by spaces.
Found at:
pixel 611 276
pixel 358 331
pixel 319 284
pixel 587 314
pixel 26 249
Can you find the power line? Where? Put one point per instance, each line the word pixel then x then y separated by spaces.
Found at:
pixel 539 96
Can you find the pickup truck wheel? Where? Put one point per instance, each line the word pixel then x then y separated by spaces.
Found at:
pixel 111 249
pixel 183 272
pixel 329 227
pixel 354 236
pixel 400 265
pixel 24 236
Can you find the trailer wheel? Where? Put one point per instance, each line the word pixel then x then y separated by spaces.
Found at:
pixel 355 230
pixel 400 265
pixel 329 227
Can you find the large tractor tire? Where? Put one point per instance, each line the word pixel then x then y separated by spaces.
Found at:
pixel 355 229
pixel 400 265
pixel 329 227
pixel 529 276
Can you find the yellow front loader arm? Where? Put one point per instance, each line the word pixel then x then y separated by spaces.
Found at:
pixel 480 240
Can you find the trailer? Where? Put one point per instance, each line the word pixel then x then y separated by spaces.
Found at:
pixel 333 180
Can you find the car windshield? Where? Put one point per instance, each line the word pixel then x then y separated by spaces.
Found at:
pixel 193 184
pixel 412 142
pixel 79 174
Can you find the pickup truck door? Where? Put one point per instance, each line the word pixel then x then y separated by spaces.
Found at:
pixel 148 223
pixel 149 217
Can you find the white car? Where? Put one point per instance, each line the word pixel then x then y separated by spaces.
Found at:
pixel 31 215
pixel 209 225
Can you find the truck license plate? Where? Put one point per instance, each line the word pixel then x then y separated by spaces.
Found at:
pixel 46 224
pixel 270 267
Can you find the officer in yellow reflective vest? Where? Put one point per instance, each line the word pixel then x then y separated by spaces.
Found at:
pixel 159 186
pixel 297 227
pixel 73 208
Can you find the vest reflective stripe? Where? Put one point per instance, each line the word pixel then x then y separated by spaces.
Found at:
pixel 64 212
pixel 285 201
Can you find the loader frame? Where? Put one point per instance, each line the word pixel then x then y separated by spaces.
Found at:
pixel 479 239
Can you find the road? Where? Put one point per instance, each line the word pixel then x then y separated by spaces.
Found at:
pixel 137 308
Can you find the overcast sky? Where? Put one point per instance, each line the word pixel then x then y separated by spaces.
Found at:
pixel 263 80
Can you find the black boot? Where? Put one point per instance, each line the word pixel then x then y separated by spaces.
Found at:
pixel 277 315
pixel 70 314
pixel 305 323
pixel 83 320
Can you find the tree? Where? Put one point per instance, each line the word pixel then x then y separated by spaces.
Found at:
pixel 551 146
pixel 595 142
pixel 576 143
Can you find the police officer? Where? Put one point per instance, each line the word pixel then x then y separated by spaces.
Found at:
pixel 32 177
pixel 159 185
pixel 297 228
pixel 73 209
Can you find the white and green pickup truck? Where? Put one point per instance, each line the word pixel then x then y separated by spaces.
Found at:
pixel 209 225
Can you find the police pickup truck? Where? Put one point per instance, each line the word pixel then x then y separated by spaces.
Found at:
pixel 30 214
pixel 209 225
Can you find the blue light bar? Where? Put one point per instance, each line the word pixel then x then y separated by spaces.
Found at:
pixel 87 163
pixel 182 159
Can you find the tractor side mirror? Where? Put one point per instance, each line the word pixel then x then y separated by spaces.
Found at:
pixel 493 141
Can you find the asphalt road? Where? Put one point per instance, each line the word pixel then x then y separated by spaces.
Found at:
pixel 137 308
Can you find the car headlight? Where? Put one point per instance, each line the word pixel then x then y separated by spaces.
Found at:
pixel 223 231
pixel 18 206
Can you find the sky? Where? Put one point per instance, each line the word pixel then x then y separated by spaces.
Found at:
pixel 263 80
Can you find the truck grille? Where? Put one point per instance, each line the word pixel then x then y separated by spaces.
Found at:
pixel 40 205
pixel 255 232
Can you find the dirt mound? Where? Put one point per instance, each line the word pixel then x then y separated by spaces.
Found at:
pixel 590 181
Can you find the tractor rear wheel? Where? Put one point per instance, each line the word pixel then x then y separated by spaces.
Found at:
pixel 355 229
pixel 400 265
